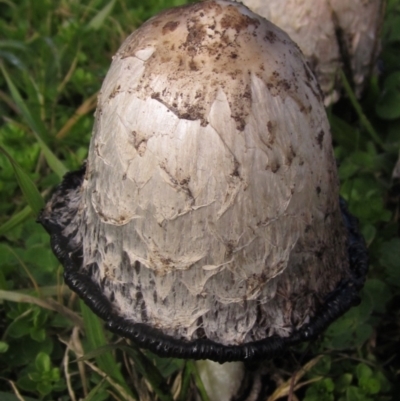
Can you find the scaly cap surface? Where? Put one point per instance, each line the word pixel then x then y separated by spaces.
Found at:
pixel 208 221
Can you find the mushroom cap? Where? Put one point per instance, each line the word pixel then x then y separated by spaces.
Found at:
pixel 207 222
pixel 332 34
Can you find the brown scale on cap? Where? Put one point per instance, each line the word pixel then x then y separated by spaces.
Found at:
pixel 194 47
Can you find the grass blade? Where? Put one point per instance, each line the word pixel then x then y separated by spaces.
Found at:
pixel 86 107
pixel 104 349
pixel 96 338
pixel 357 107
pixel 15 220
pixel 50 304
pixel 186 377
pixel 36 125
pixel 199 383
pixel 99 386
pixel 28 188
pixel 54 163
pixel 146 368
pixel 98 20
pixel 13 44
pixel 76 348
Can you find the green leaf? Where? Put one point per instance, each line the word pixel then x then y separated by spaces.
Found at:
pixel 44 388
pixel 42 362
pixel 35 376
pixel 355 394
pixel 19 328
pixel 25 383
pixel 55 374
pixel 383 382
pixel 348 331
pixel 3 347
pixel 363 371
pixel 370 385
pixel 97 22
pixel 38 334
pixel 328 384
pixel 39 318
pixel 320 391
pixel 322 367
pixel 369 233
pixel 24 350
pixel 343 382
pixel 360 313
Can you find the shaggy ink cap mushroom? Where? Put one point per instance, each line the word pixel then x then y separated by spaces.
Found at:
pixel 332 34
pixel 207 222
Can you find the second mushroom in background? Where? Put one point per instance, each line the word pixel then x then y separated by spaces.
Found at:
pixel 332 34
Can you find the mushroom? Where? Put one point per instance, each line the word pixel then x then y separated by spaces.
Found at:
pixel 206 222
pixel 332 34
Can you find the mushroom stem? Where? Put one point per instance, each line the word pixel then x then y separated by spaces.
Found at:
pixel 221 381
